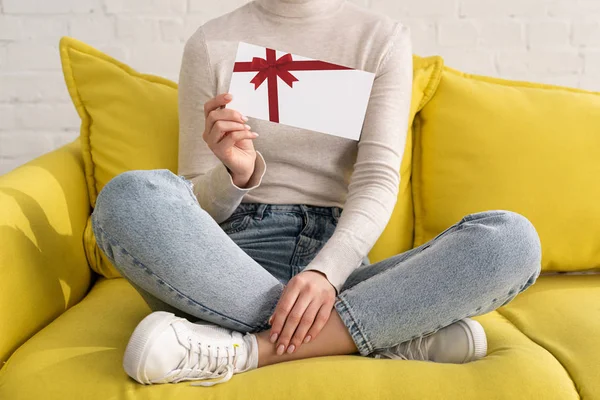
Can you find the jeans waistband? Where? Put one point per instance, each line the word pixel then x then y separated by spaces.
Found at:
pixel 259 209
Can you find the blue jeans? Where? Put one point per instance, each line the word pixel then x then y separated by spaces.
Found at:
pixel 152 228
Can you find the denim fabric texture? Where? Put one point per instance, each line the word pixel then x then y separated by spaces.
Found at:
pixel 151 227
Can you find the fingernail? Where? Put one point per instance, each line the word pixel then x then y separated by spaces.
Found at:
pixel 271 318
pixel 247 126
pixel 280 349
pixel 255 134
pixel 274 337
pixel 307 339
pixel 291 349
pixel 244 118
pixel 227 97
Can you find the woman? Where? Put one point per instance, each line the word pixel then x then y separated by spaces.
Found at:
pixel 245 267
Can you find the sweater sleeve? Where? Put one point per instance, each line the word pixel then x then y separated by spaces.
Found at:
pixel 374 183
pixel 212 183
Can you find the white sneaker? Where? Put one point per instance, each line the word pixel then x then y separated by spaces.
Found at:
pixel 167 349
pixel 458 343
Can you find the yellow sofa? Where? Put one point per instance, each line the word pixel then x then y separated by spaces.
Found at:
pixel 65 321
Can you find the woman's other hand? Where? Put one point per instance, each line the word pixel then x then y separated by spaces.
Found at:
pixel 229 138
pixel 303 310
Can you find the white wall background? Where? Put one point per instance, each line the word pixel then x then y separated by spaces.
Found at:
pixel 551 41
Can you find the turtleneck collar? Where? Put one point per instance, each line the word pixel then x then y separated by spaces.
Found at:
pixel 300 8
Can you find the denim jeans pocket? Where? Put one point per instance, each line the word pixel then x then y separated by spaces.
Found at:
pixel 237 222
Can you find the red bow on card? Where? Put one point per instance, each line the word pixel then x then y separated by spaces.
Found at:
pixel 270 68
pixel 277 68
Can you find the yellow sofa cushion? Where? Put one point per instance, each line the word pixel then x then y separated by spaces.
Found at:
pixel 562 314
pixel 80 355
pixel 130 121
pixel 397 237
pixel 43 269
pixel 485 143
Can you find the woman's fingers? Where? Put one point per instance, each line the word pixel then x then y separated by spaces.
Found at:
pixel 283 308
pixel 308 321
pixel 214 136
pixel 226 114
pixel 216 102
pixel 295 317
pixel 320 320
pixel 214 111
pixel 232 137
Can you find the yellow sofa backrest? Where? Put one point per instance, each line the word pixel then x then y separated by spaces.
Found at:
pixel 477 143
pixel 485 143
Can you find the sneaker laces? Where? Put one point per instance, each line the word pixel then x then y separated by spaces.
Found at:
pixel 413 349
pixel 186 370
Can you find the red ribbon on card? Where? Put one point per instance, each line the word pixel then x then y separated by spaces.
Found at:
pixel 270 68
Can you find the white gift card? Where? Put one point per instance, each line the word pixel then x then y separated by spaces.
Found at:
pixel 298 91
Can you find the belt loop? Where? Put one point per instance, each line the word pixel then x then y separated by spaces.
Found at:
pixel 304 209
pixel 260 211
pixel 305 215
pixel 335 211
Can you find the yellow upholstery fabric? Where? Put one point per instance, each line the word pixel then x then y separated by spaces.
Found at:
pixel 129 121
pixel 397 237
pixel 80 356
pixel 543 345
pixel 43 270
pixel 484 143
pixel 562 314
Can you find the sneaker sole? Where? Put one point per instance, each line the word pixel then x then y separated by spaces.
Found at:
pixel 478 342
pixel 141 341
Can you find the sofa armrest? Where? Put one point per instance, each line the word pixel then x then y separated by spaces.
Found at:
pixel 44 207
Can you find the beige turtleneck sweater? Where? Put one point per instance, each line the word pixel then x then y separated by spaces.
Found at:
pixel 294 165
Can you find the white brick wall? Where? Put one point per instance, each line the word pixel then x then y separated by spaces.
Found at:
pixel 552 41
